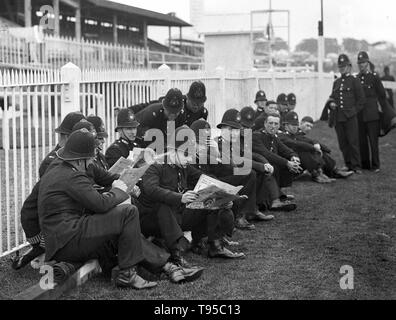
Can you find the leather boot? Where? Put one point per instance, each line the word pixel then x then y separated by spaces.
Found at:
pixel 243 224
pixel 128 278
pixel 217 250
pixel 177 274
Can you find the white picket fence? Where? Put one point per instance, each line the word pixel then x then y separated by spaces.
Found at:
pixel 34 103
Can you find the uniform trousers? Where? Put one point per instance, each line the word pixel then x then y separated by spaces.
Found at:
pixel 369 140
pixel 113 237
pixel 168 223
pixel 348 140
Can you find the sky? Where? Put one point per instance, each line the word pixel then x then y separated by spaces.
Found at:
pixel 360 19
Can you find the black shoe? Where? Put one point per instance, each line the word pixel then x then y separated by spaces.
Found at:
pixel 285 206
pixel 63 271
pixel 177 274
pixel 21 261
pixel 243 224
pixel 259 216
pixel 129 278
pixel 217 250
pixel 177 259
pixel 338 174
pixel 287 197
pixel 198 247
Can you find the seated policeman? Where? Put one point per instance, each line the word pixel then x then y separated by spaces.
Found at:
pixel 310 154
pixel 284 160
pixel 267 191
pixel 127 141
pixel 166 190
pixel 29 215
pixel 111 231
pixel 330 166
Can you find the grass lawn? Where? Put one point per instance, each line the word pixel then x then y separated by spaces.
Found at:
pixel 297 256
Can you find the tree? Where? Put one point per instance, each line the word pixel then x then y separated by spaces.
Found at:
pixel 354 46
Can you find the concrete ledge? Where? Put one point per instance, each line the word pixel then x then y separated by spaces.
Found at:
pixel 81 276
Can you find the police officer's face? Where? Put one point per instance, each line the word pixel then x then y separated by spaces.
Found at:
pixel 261 104
pixel 291 128
pixel 283 107
pixel 272 125
pixel 171 116
pixel 272 108
pixel 363 66
pixel 129 133
pixel 230 134
pixel 182 158
pixel 306 127
pixel 194 106
pixel 100 142
pixel 345 70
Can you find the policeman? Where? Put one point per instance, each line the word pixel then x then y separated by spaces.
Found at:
pixel 29 218
pixel 267 191
pixel 330 165
pixel 166 192
pixel 310 154
pixel 261 100
pixel 101 135
pixel 283 107
pixel 369 117
pixel 346 101
pixel 195 103
pixel 110 232
pixel 64 130
pixel 292 101
pixel 157 116
pixel 284 160
pixel 270 107
pixel 127 129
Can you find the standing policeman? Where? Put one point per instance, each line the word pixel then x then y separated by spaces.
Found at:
pixel 346 100
pixel 195 103
pixel 369 117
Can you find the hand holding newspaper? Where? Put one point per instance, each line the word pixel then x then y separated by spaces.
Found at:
pixel 214 194
pixel 133 168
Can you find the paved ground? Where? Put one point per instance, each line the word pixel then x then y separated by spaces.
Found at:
pixel 299 255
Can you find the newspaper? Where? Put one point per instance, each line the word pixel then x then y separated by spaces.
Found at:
pixel 214 194
pixel 121 165
pixel 131 176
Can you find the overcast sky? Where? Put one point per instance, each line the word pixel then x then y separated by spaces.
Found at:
pixel 361 19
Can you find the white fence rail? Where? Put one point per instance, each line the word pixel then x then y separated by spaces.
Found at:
pixel 33 104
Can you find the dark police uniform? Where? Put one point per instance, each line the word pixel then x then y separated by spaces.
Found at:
pixel 162 213
pixel 120 148
pixel 190 117
pixel 72 235
pixel 47 161
pixel 369 117
pixel 277 153
pixel 349 96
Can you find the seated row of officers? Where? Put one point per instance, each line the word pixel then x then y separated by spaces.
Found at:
pixel 79 211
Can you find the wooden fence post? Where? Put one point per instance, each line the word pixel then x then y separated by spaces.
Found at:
pixel 70 99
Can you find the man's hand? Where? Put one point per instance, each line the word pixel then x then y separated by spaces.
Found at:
pixel 268 169
pixel 294 167
pixel 318 148
pixel 188 197
pixel 120 185
pixel 333 105
pixel 149 155
pixel 136 192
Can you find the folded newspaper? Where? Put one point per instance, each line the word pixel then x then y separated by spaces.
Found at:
pixel 214 194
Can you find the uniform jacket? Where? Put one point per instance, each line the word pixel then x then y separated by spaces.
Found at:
pixel 120 148
pixel 164 183
pixel 272 148
pixel 47 161
pixel 301 136
pixel 152 117
pixel 349 96
pixel 374 92
pixel 296 144
pixel 64 196
pixel 190 117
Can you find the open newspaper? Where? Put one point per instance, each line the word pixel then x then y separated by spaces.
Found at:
pixel 131 170
pixel 214 194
